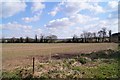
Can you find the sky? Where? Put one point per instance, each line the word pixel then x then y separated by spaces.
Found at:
pixel 63 19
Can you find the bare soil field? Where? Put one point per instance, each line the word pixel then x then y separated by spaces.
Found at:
pixel 20 55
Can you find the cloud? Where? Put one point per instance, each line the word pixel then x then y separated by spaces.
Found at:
pixel 71 8
pixel 82 19
pixel 36 17
pixel 54 12
pixel 37 9
pixel 104 23
pixel 37 6
pixel 71 21
pixel 76 24
pixel 63 22
pixel 56 9
pixel 113 4
pixel 70 25
pixel 15 29
pixel 38 31
pixel 16 26
pixel 11 8
pixel 76 7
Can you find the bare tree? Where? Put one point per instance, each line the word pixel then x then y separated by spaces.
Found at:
pixel 110 34
pixel 51 38
pixel 99 36
pixel 42 38
pixel 95 36
pixel 87 36
pixel 27 39
pixel 13 40
pixel 75 38
pixel 82 38
pixel 104 34
pixel 36 40
pixel 21 40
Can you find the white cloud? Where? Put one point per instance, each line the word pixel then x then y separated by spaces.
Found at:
pixel 38 31
pixel 63 22
pixel 37 9
pixel 54 12
pixel 56 9
pixel 113 4
pixel 104 23
pixel 76 7
pixel 32 19
pixel 76 24
pixel 37 6
pixel 11 8
pixel 71 25
pixel 71 21
pixel 15 29
pixel 71 8
pixel 16 26
pixel 97 8
pixel 82 19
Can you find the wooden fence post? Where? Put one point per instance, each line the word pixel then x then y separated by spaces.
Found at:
pixel 33 65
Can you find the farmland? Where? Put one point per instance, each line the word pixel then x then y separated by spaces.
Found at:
pixel 18 50
pixel 19 56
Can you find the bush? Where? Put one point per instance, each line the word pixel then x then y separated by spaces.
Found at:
pixel 10 75
pixel 82 60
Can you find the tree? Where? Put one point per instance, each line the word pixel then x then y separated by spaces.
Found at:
pixel 82 38
pixel 21 40
pixel 41 38
pixel 95 36
pixel 75 38
pixel 51 38
pixel 87 36
pixel 104 33
pixel 99 36
pixel 13 40
pixel 36 40
pixel 27 39
pixel 110 34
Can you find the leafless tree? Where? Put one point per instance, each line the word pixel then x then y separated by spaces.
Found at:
pixel 36 39
pixel 75 38
pixel 104 33
pixel 27 39
pixel 21 40
pixel 51 38
pixel 110 34
pixel 42 38
pixel 95 36
pixel 99 36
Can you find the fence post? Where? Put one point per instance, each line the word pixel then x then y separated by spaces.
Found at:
pixel 33 65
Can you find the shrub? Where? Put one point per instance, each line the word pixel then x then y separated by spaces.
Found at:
pixel 82 60
pixel 10 75
pixel 77 68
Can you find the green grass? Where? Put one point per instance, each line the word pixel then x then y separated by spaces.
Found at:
pixel 103 70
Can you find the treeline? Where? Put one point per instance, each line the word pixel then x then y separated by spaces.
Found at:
pixel 102 35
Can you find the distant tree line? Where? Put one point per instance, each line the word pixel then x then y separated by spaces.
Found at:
pixel 102 35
